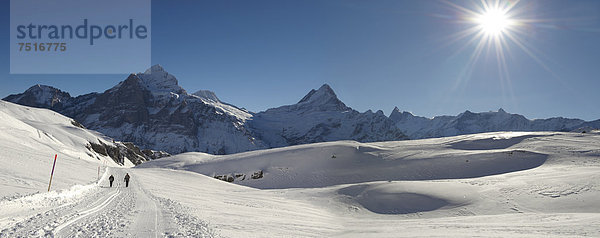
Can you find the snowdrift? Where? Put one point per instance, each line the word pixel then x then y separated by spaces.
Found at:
pixel 345 162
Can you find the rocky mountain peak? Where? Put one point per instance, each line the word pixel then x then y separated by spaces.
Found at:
pixel 323 98
pixel 207 94
pixel 46 92
pixel 156 79
pixel 467 114
pixel 324 93
pixel 154 68
pixel 41 96
pixel 398 115
pixel 39 87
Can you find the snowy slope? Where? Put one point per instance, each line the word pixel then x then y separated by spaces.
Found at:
pixel 79 203
pixel 210 98
pixel 343 162
pixel 29 140
pixel 491 185
pixel 31 137
pixel 499 184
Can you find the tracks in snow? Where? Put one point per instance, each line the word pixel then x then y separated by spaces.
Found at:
pixel 88 212
pixel 112 212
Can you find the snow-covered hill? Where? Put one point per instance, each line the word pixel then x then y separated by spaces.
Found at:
pixel 500 184
pixel 343 162
pixel 31 137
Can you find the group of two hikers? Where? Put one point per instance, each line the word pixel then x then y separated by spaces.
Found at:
pixel 112 178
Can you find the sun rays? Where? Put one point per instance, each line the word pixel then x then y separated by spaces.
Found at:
pixel 494 28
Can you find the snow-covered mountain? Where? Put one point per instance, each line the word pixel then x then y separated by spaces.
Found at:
pixel 42 96
pixel 150 109
pixel 468 122
pixel 320 116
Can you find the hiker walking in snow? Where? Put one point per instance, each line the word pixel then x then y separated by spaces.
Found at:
pixel 111 179
pixel 127 180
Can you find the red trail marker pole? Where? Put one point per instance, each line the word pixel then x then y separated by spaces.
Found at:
pixel 52 173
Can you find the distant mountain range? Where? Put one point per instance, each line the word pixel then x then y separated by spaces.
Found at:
pixel 417 127
pixel 151 110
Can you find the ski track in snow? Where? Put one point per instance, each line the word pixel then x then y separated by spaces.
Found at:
pixel 112 212
pixel 88 212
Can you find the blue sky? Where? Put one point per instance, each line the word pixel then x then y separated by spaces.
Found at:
pixel 375 55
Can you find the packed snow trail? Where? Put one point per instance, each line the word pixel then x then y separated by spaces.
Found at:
pixel 108 212
pixel 88 212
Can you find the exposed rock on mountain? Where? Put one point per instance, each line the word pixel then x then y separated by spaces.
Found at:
pixel 41 96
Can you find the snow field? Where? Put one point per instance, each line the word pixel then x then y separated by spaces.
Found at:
pixel 500 184
pixel 110 212
pixel 524 185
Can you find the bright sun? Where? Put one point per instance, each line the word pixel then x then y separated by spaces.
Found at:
pixel 493 21
pixel 493 28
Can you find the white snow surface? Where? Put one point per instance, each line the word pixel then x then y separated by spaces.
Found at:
pixel 210 98
pixel 502 184
pixel 156 79
pixel 208 95
pixel 523 184
pixel 164 85
pixel 29 139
